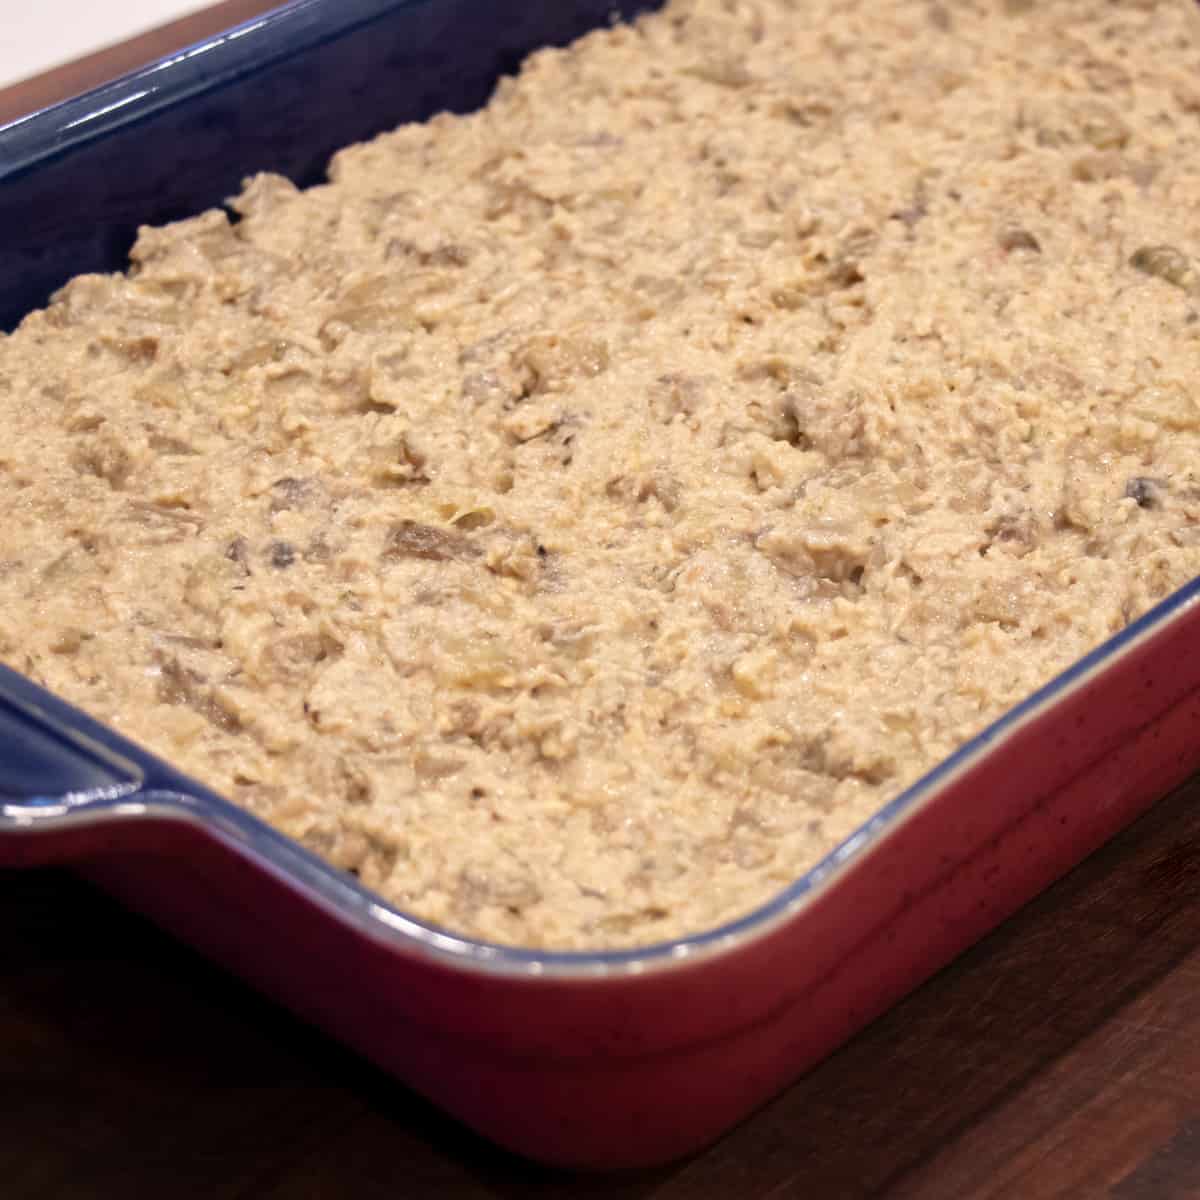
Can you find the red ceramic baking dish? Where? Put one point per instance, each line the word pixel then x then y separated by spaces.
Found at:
pixel 586 1059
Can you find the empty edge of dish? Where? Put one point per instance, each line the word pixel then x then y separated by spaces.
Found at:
pixel 252 45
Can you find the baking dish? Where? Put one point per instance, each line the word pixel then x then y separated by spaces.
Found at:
pixel 603 1060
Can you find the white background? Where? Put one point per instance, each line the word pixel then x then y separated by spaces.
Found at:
pixel 36 35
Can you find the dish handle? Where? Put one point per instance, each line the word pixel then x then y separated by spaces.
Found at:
pixel 60 772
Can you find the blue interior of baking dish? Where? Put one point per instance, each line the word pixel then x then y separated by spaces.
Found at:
pixel 282 93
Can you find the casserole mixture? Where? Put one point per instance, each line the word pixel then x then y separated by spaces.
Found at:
pixel 578 517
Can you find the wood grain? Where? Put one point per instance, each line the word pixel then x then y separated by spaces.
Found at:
pixel 1058 1058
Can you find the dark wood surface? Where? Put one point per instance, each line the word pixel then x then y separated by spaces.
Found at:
pixel 1059 1058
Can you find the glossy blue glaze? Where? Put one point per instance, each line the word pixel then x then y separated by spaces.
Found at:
pixel 51 753
pixel 280 93
pixel 47 762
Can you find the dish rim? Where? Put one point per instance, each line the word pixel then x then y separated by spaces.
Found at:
pixel 35 138
pixel 44 135
pixel 171 795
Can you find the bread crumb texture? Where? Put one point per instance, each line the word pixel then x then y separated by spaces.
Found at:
pixel 576 518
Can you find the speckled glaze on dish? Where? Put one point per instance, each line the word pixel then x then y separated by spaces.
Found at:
pixel 597 1059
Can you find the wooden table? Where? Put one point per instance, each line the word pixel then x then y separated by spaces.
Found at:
pixel 1059 1058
